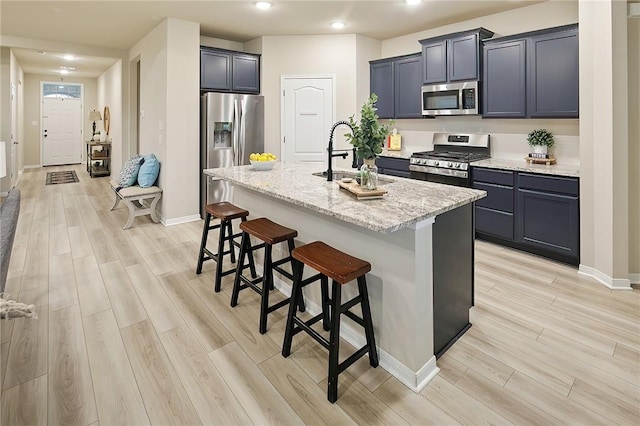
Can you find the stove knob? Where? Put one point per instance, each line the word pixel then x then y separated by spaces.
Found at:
pixel 423 161
pixel 458 165
pixel 436 164
pixel 449 164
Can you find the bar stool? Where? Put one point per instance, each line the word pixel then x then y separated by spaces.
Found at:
pixel 341 268
pixel 226 212
pixel 269 233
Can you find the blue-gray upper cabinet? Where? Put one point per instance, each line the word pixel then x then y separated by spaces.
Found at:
pixel 229 71
pixel 434 55
pixel 504 82
pixel 381 83
pixel 407 82
pixel 553 74
pixel 215 70
pixel 397 82
pixel 246 73
pixel 454 57
pixel 532 75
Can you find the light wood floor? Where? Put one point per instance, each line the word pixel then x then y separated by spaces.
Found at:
pixel 128 334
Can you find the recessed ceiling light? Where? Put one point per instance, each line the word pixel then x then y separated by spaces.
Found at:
pixel 42 52
pixel 69 57
pixel 263 5
pixel 64 71
pixel 412 2
pixel 337 25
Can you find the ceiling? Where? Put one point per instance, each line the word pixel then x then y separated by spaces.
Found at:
pixel 120 24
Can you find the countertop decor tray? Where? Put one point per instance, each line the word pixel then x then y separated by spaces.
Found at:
pixel 547 161
pixel 361 194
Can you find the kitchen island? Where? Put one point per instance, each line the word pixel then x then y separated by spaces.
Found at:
pixel 418 239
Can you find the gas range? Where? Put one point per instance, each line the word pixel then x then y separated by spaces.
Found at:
pixel 450 158
pixel 447 159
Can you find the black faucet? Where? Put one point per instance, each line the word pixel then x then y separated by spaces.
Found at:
pixel 338 152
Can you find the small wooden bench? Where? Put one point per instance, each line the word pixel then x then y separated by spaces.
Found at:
pixel 133 197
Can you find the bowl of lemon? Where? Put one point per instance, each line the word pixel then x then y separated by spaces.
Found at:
pixel 264 161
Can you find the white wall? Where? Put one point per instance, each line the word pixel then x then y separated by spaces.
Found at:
pixel 220 43
pixel 169 88
pixel 298 55
pixel 5 110
pixel 633 57
pixel 32 112
pixel 109 93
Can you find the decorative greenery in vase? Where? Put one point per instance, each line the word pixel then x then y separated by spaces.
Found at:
pixel 541 137
pixel 540 140
pixel 367 136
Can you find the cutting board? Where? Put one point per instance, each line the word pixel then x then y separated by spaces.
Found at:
pixel 361 194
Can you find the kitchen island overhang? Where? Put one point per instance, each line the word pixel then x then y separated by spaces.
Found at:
pixel 396 234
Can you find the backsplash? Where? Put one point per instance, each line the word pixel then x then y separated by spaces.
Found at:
pixel 508 146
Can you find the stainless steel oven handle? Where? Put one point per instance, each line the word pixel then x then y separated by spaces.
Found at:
pixel 439 171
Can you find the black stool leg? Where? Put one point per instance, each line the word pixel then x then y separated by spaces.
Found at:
pixel 324 290
pixel 334 342
pixel 236 282
pixel 368 323
pixel 230 237
pixel 296 291
pixel 220 257
pixel 267 284
pixel 301 305
pixel 252 263
pixel 203 243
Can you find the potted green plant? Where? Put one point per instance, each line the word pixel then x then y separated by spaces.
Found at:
pixel 540 140
pixel 367 137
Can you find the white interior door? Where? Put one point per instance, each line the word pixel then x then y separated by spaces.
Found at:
pixel 61 131
pixel 307 116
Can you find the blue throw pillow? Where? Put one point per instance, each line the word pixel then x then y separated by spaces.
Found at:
pixel 129 172
pixel 149 171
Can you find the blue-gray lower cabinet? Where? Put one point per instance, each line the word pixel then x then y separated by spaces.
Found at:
pixel 393 166
pixel 549 222
pixel 532 212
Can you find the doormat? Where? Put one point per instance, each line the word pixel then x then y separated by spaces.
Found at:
pixel 54 178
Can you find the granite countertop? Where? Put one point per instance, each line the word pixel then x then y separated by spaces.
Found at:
pixel 523 166
pixel 406 154
pixel 407 201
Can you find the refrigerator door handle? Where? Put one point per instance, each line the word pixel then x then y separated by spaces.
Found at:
pixel 236 119
pixel 241 138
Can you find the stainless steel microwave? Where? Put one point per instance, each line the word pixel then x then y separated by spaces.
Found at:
pixel 450 99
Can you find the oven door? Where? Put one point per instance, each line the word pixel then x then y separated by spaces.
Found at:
pixel 438 175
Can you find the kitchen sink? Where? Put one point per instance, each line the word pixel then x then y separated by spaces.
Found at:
pixel 340 174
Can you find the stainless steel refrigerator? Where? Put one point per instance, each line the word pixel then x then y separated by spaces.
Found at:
pixel 232 127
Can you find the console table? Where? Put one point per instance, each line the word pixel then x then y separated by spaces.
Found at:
pixel 98 158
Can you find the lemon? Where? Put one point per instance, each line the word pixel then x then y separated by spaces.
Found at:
pixel 253 157
pixel 263 157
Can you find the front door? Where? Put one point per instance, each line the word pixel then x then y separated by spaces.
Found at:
pixel 308 114
pixel 61 125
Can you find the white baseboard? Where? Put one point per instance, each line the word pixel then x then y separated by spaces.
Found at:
pixel 612 283
pixel 634 277
pixel 179 220
pixel 32 166
pixel 416 381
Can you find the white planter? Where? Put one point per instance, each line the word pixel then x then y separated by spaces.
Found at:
pixel 540 149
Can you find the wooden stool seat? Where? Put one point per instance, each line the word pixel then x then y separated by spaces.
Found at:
pixel 341 268
pixel 225 211
pixel 268 231
pixel 333 263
